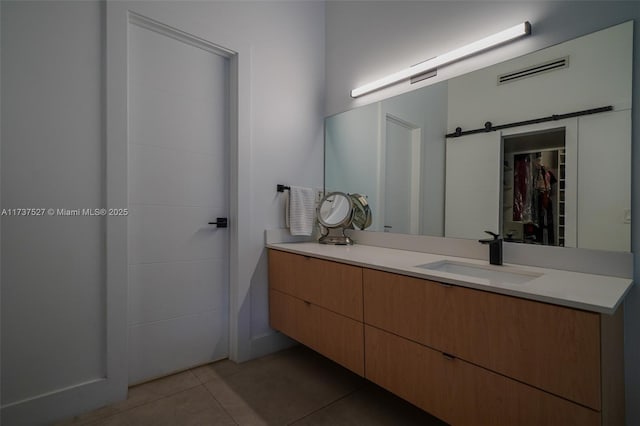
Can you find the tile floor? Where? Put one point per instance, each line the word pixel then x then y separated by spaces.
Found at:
pixel 293 387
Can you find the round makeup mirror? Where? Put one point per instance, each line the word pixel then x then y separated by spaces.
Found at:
pixel 339 211
pixel 335 210
pixel 335 213
pixel 362 217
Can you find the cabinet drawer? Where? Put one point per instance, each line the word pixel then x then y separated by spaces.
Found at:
pixel 550 347
pixel 332 285
pixel 461 393
pixel 335 336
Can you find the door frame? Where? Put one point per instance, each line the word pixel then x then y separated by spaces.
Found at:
pixel 570 126
pixel 416 169
pixel 158 28
pixel 119 14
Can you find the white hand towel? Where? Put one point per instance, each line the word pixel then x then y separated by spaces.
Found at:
pixel 302 210
pixel 286 209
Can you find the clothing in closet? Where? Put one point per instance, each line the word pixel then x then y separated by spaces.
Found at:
pixel 532 198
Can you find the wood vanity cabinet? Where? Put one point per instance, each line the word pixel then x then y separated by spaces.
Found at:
pixel 319 304
pixel 466 356
pixel 461 393
pixel 527 361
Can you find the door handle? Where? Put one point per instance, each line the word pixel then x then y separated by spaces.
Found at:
pixel 221 222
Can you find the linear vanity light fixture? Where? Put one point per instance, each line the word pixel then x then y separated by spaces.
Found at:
pixel 447 58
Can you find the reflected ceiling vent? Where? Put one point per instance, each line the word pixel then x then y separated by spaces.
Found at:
pixel 555 64
pixel 424 76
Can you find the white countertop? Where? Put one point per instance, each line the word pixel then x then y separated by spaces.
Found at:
pixel 596 293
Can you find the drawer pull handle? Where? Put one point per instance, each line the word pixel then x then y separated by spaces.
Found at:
pixel 307 302
pixel 448 356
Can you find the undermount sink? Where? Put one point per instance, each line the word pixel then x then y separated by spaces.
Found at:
pixel 494 274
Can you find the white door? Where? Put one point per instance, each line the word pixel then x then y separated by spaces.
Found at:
pixel 604 202
pixel 402 177
pixel 178 263
pixel 472 194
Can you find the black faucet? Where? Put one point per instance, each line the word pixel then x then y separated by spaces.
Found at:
pixel 495 248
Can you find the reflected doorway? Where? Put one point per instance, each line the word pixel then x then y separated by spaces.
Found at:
pixel 402 176
pixel 534 184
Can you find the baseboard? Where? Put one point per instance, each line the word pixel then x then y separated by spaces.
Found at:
pixel 270 343
pixel 63 403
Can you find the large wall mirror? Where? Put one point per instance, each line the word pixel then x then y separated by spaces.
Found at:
pixel 562 182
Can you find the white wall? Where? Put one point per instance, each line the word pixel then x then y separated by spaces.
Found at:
pixel 351 166
pixel 427 108
pixel 53 322
pixel 597 75
pixel 52 154
pixel 366 40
